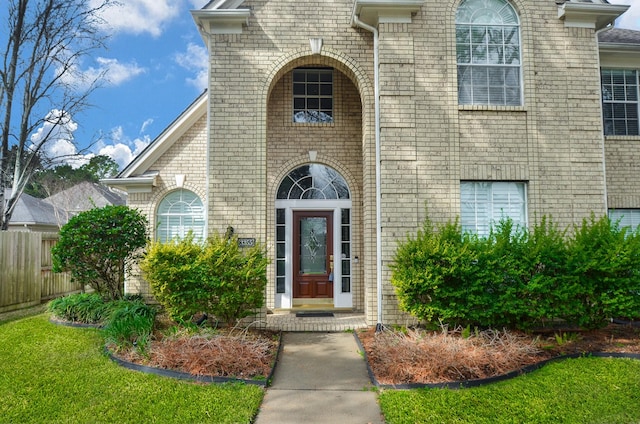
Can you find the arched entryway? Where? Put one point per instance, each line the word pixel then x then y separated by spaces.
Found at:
pixel 313 239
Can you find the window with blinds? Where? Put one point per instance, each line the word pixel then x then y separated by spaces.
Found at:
pixel 483 204
pixel 625 218
pixel 179 213
pixel 620 101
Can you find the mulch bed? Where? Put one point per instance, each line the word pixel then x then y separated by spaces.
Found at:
pixel 420 357
pixel 227 353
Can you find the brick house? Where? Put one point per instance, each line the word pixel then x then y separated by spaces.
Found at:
pixel 330 129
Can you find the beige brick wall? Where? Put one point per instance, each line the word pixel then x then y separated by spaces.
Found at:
pixel 429 143
pixel 187 156
pixel 623 172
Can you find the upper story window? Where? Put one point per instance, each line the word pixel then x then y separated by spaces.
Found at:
pixel 488 53
pixel 484 203
pixel 179 213
pixel 620 101
pixel 313 95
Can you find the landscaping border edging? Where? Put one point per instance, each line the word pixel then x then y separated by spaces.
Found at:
pixel 180 375
pixel 177 374
pixel 73 324
pixel 465 384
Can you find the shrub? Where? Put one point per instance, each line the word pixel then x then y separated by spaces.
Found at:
pixel 217 277
pixel 97 246
pixel 84 307
pixel 517 278
pixel 605 265
pixel 130 323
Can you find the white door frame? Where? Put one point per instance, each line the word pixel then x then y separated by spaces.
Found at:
pixel 340 300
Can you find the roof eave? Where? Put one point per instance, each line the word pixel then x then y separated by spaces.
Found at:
pixel 141 184
pixel 588 15
pixel 374 12
pixel 619 48
pixel 175 130
pixel 221 21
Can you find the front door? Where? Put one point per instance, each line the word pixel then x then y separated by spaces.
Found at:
pixel 313 254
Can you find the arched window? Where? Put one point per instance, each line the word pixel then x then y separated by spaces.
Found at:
pixel 488 53
pixel 313 181
pixel 179 212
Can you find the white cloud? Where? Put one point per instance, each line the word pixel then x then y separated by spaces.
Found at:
pixel 55 142
pixel 195 59
pixel 146 124
pixel 140 16
pixel 631 18
pixel 123 149
pixel 108 72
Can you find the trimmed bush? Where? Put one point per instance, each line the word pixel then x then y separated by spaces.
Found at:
pixel 517 278
pixel 217 277
pixel 98 246
pixel 604 263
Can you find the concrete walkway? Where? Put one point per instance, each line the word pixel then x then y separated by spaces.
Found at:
pixel 320 378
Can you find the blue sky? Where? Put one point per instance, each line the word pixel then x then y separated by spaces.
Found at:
pixel 155 67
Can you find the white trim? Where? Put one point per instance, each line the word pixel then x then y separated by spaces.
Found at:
pixel 340 300
pixel 589 15
pixel 167 138
pixel 221 21
pixel 374 12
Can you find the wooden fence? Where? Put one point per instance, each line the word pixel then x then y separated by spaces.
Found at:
pixel 26 276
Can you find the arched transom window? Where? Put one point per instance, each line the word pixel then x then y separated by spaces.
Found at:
pixel 179 212
pixel 313 181
pixel 488 53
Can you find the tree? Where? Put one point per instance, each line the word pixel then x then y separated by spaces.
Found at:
pixel 42 42
pixel 50 181
pixel 98 247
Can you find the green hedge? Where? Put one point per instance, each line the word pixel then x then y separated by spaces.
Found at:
pixel 217 277
pixel 517 278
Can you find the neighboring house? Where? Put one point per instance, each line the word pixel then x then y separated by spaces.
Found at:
pixel 35 215
pixel 50 214
pixel 85 196
pixel 330 129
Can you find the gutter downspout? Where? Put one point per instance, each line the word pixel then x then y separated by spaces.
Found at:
pixel 376 90
pixel 604 138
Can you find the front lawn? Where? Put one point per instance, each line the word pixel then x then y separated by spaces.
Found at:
pixel 53 374
pixel 584 390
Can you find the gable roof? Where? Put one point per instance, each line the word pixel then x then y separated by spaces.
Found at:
pixel 136 176
pixel 140 164
pixel 85 196
pixel 31 211
pixel 620 36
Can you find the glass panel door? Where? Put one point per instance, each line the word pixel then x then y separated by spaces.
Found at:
pixel 313 245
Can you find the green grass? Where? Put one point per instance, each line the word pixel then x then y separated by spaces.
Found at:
pixel 56 374
pixel 584 390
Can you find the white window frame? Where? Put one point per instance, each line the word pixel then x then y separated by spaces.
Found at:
pixel 490 71
pixel 178 213
pixel 620 101
pixel 484 203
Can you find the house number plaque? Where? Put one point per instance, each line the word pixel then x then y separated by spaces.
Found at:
pixel 246 242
